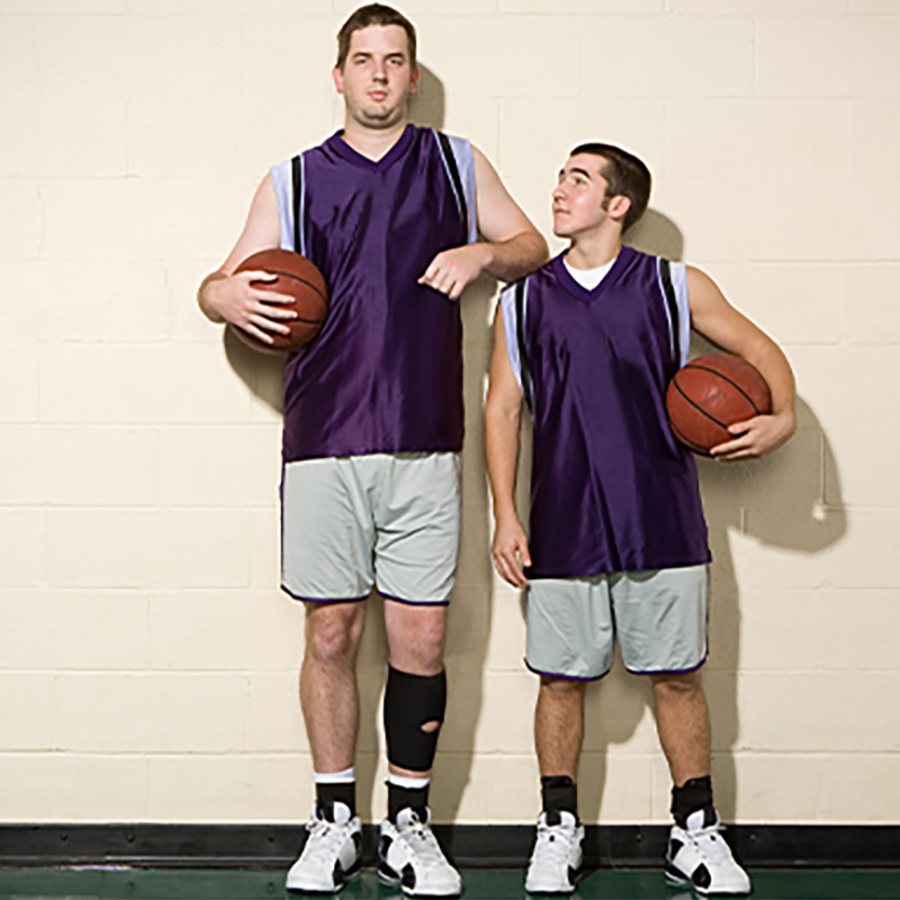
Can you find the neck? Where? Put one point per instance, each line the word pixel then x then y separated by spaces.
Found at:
pixel 594 250
pixel 372 142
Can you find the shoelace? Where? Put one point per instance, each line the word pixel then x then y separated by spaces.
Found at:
pixel 711 842
pixel 426 847
pixel 324 839
pixel 552 844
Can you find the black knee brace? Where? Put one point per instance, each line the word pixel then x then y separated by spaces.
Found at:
pixel 411 701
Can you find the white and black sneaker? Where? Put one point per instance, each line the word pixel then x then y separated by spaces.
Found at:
pixel 698 855
pixel 556 860
pixel 409 855
pixel 331 855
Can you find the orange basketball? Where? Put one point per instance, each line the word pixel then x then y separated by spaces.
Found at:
pixel 297 278
pixel 710 393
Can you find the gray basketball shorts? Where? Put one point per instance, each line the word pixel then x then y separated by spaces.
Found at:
pixel 658 615
pixel 389 520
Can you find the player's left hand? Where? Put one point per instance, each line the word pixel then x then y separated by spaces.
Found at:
pixel 451 270
pixel 755 437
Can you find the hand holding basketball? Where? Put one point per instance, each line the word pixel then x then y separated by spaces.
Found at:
pixel 288 301
pixel 756 437
pixel 719 406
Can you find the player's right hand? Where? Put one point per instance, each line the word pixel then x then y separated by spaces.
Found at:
pixel 510 551
pixel 248 306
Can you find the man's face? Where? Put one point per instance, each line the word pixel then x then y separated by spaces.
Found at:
pixel 377 79
pixel 580 202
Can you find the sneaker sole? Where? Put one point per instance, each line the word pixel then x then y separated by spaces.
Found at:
pixel 396 882
pixel 558 892
pixel 562 892
pixel 683 881
pixel 327 892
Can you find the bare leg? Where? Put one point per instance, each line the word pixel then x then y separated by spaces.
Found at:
pixel 328 692
pixel 416 641
pixel 682 720
pixel 559 726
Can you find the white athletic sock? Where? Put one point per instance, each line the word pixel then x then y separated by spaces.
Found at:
pixel 334 777
pixel 413 784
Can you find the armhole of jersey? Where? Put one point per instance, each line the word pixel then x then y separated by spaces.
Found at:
pixel 524 363
pixel 281 181
pixel 673 284
pixel 459 162
pixel 511 331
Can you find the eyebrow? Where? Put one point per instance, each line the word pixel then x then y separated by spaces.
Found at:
pixel 396 54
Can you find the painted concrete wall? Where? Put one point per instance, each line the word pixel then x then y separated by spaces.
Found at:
pixel 147 658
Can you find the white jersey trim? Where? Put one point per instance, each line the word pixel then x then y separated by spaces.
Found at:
pixel 283 182
pixel 465 162
pixel 678 276
pixel 511 327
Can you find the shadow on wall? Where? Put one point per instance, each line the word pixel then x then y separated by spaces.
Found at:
pixel 777 501
pixel 469 625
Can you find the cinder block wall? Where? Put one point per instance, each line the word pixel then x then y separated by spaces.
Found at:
pixel 147 659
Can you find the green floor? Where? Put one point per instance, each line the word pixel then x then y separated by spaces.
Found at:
pixel 481 884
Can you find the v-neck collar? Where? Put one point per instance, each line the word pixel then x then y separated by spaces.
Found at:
pixel 586 295
pixel 345 151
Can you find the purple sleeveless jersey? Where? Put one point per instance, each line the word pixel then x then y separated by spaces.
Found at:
pixel 612 490
pixel 385 373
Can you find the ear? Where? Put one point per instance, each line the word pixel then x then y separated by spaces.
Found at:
pixel 338 77
pixel 414 80
pixel 618 206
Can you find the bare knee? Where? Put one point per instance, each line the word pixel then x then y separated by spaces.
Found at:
pixel 429 646
pixel 416 638
pixel 560 690
pixel 686 686
pixel 333 634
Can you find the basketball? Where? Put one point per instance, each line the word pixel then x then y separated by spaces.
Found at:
pixel 297 278
pixel 710 393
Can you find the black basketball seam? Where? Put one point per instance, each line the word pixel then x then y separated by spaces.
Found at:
pixel 734 384
pixel 699 409
pixel 280 273
pixel 689 443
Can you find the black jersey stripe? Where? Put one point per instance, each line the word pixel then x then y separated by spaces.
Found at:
pixel 297 178
pixel 524 365
pixel 672 303
pixel 456 180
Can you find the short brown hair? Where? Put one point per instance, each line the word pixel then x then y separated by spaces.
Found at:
pixel 627 176
pixel 374 14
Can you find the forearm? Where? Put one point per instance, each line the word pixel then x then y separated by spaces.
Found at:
pixel 774 367
pixel 521 254
pixel 501 442
pixel 204 299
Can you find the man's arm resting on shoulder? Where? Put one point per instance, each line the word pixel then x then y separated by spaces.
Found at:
pixel 502 413
pixel 716 319
pixel 512 246
pixel 226 297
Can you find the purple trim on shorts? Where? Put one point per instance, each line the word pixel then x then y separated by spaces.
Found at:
pixel 324 601
pixel 557 677
pixel 671 671
pixel 414 602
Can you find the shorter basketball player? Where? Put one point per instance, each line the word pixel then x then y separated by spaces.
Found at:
pixel 617 542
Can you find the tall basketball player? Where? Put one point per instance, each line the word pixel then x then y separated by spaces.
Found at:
pixel 373 424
